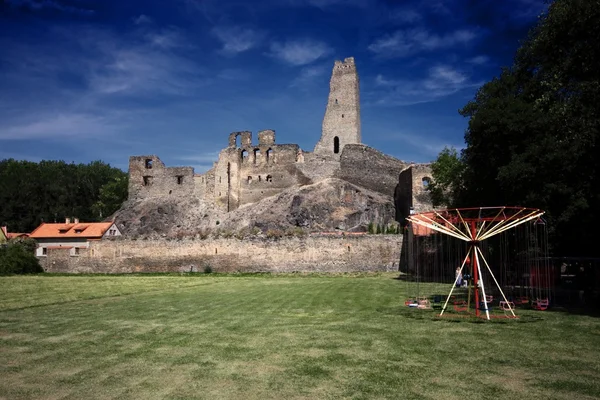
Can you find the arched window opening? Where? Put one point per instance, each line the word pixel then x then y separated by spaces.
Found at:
pixel 426 181
pixel 259 178
pixel 336 145
pixel 244 155
pixel 342 115
pixel 270 155
pixel 249 180
pixel 148 163
pixel 269 178
pixel 336 101
pixel 256 155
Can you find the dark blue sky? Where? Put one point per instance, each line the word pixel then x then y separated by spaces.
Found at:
pixel 83 80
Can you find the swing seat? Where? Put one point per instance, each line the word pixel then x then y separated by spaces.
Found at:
pixel 460 306
pixel 489 299
pixel 540 304
pixel 507 305
pixel 522 300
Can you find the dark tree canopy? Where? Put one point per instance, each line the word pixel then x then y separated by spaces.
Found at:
pixel 533 131
pixel 49 191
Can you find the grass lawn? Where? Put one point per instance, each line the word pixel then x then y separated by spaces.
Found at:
pixel 280 337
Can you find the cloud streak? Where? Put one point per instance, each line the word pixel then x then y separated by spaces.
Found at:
pixel 237 40
pixel 404 43
pixel 45 5
pixel 299 52
pixel 441 81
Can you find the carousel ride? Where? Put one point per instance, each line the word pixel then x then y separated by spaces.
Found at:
pixel 483 262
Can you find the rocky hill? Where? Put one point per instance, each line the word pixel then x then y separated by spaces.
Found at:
pixel 329 205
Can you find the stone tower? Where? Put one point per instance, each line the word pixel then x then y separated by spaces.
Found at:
pixel 341 125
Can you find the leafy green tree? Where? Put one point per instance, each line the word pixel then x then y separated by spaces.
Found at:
pixel 16 258
pixel 49 191
pixel 112 195
pixel 447 171
pixel 533 131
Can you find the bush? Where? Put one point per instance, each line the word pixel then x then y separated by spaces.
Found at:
pixel 15 258
pixel 372 228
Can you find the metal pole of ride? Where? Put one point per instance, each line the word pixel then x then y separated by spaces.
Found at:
pixel 475 268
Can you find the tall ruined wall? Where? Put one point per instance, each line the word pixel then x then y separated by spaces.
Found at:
pixel 341 124
pixel 297 254
pixel 370 168
pixel 148 177
pixel 411 193
pixel 421 177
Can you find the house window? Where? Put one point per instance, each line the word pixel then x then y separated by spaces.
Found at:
pixel 249 179
pixel 75 251
pixel 147 180
pixel 112 232
pixel 426 181
pixel 63 230
pixel 44 251
pixel 336 145
pixel 78 230
pixel 179 179
pixel 148 163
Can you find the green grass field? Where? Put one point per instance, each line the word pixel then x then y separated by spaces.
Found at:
pixel 279 337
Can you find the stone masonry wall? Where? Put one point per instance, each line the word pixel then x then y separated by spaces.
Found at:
pixel 294 254
pixel 370 168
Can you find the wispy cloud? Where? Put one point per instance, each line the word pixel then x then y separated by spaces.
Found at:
pixel 441 81
pixel 479 60
pixel 299 52
pixel 237 40
pixel 404 43
pixel 308 75
pixel 142 19
pixel 55 126
pixel 41 5
pixel 431 147
pixel 324 4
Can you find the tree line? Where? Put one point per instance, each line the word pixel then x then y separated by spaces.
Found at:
pixel 49 191
pixel 532 136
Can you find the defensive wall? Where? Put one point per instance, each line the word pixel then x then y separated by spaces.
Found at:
pixel 315 253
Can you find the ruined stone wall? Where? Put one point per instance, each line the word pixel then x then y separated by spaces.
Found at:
pixel 411 193
pixel 370 168
pixel 295 254
pixel 341 124
pixel 148 177
pixel 421 177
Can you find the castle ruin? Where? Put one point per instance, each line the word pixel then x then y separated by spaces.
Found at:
pixel 247 172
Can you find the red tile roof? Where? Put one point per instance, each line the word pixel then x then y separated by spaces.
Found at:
pixel 14 235
pixel 88 230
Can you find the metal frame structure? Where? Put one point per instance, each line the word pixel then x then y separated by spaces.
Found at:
pixel 475 225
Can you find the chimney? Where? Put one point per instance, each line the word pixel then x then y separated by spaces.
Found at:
pixel 76 220
pixel 67 220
